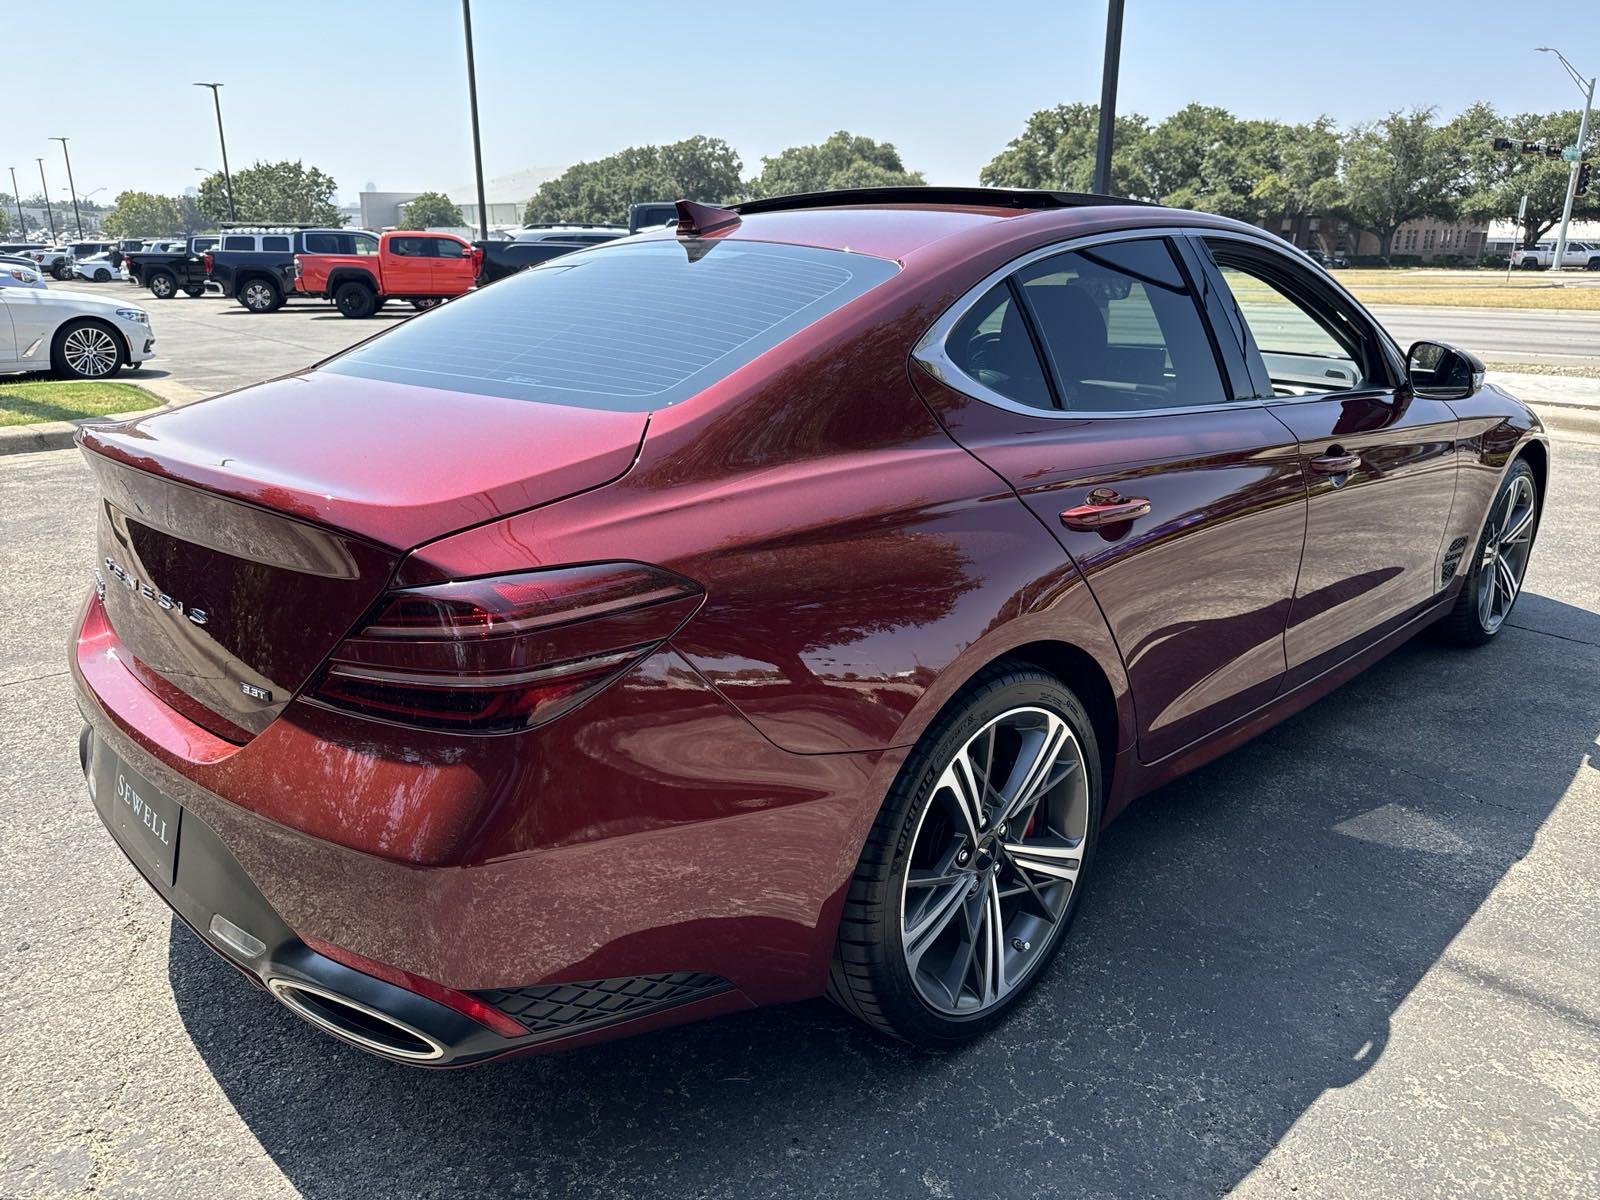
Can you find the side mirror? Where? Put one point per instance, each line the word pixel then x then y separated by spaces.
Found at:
pixel 1443 372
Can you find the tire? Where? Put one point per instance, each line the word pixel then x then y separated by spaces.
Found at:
pixel 194 293
pixel 355 300
pixel 923 859
pixel 1530 264
pixel 58 272
pixel 426 302
pixel 86 349
pixel 102 276
pixel 162 285
pixel 259 296
pixel 1499 562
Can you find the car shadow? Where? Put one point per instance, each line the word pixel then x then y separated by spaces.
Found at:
pixel 1250 933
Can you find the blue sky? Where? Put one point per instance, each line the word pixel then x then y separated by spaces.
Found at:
pixel 373 91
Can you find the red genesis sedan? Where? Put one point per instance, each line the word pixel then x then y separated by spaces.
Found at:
pixel 774 606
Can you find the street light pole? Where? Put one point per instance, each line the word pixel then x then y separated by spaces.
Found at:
pixel 227 176
pixel 22 223
pixel 1108 98
pixel 71 187
pixel 45 191
pixel 1587 88
pixel 477 144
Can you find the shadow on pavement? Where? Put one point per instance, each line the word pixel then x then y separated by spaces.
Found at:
pixel 1251 931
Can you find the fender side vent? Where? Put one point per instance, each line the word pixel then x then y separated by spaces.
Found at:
pixel 557 1009
pixel 1452 560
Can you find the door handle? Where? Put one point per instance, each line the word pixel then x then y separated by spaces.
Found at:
pixel 1335 462
pixel 1104 507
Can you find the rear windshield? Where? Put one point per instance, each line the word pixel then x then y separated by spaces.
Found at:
pixel 627 326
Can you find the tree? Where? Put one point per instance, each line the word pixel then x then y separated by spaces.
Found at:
pixel 1204 157
pixel 1496 180
pixel 1399 169
pixel 698 168
pixel 843 161
pixel 190 218
pixel 271 193
pixel 5 220
pixel 1302 175
pixel 432 209
pixel 141 213
pixel 1056 150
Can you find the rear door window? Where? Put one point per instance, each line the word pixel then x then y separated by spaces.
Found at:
pixel 275 243
pixel 992 345
pixel 238 243
pixel 409 247
pixel 632 327
pixel 1121 329
pixel 447 248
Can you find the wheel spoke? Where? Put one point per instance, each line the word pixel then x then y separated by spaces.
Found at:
pixel 1486 589
pixel 960 782
pixel 994 946
pixel 1507 584
pixel 1519 529
pixel 1053 858
pixel 1034 774
pixel 935 917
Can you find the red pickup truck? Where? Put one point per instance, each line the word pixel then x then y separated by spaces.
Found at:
pixel 423 268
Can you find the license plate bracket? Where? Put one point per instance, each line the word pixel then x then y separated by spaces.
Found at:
pixel 145 822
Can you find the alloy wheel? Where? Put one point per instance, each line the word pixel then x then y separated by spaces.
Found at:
pixel 1508 542
pixel 995 861
pixel 161 286
pixel 258 296
pixel 90 352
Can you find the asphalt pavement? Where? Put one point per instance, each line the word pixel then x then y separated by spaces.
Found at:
pixel 1357 957
pixel 1566 337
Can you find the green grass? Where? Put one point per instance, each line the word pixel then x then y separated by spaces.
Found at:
pixel 28 402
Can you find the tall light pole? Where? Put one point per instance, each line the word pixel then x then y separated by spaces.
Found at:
pixel 227 176
pixel 477 144
pixel 71 187
pixel 1108 98
pixel 1587 88
pixel 22 224
pixel 45 191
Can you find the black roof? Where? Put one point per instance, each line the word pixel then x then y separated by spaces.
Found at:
pixel 976 197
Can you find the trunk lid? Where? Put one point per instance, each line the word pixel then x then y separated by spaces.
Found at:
pixel 240 541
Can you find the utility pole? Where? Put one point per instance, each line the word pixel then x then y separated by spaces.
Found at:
pixel 22 223
pixel 71 187
pixel 1108 98
pixel 477 144
pixel 1587 88
pixel 227 176
pixel 48 216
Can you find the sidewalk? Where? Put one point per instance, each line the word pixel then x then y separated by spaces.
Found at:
pixel 1566 404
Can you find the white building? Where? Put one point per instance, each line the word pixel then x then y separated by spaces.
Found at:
pixel 505 196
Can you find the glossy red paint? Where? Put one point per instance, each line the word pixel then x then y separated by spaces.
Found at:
pixel 868 538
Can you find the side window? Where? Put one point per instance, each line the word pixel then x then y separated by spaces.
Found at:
pixel 201 245
pixel 365 245
pixel 274 243
pixel 448 248
pixel 238 242
pixel 1305 347
pixel 407 247
pixel 992 346
pixel 1121 328
pixel 322 243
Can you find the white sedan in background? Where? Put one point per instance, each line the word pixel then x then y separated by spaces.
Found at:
pixel 97 269
pixel 70 334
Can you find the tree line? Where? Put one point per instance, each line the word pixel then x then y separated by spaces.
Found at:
pixel 1377 175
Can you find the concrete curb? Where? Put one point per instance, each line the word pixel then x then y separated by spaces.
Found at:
pixel 58 435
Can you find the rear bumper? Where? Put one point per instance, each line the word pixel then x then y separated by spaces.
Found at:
pixel 679 866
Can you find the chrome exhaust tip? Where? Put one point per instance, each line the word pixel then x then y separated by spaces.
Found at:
pixel 356 1022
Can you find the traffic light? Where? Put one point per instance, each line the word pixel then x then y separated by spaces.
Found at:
pixel 1583 179
pixel 1503 144
pixel 1552 151
pixel 1532 148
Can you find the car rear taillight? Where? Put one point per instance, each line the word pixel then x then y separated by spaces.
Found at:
pixel 299 270
pixel 208 261
pixel 507 653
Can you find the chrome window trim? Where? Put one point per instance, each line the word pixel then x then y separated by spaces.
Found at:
pixel 929 351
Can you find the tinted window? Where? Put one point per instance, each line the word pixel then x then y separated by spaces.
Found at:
pixel 323 243
pixel 203 244
pixel 274 243
pixel 446 248
pixel 991 344
pixel 1121 329
pixel 238 243
pixel 635 327
pixel 1304 347
pixel 407 247
pixel 362 244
